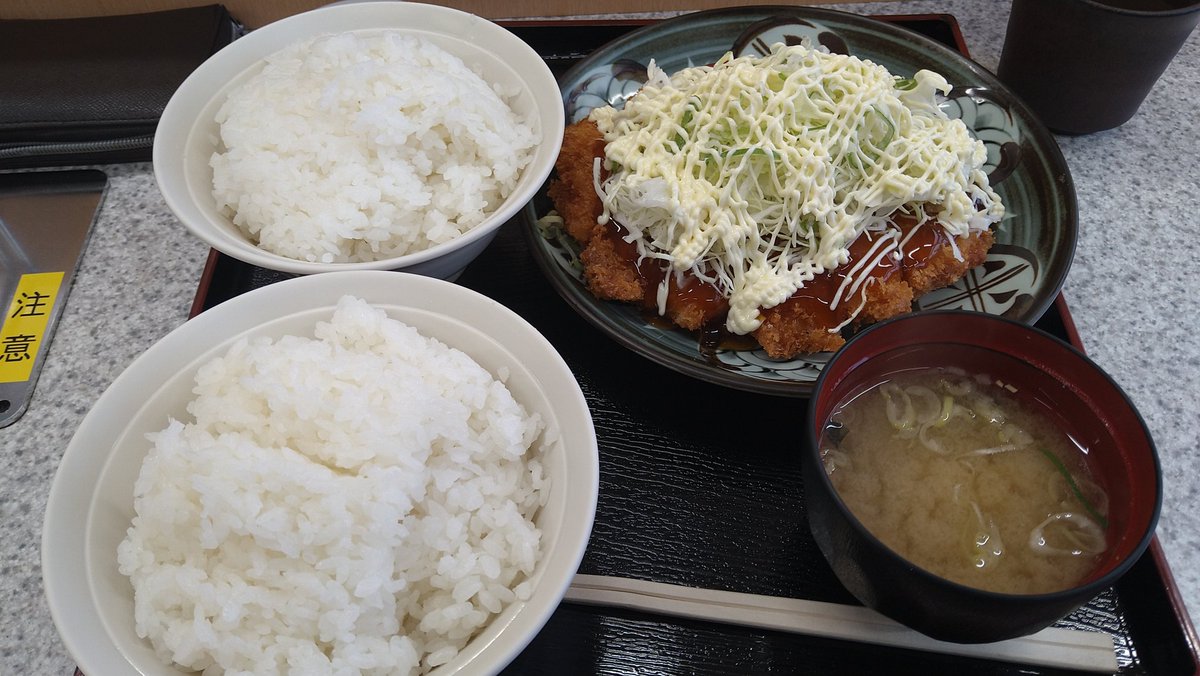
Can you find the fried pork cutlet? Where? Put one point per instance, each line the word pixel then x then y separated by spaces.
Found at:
pixel 808 321
pixel 886 299
pixel 695 304
pixel 942 268
pixel 795 327
pixel 573 192
pixel 610 272
pixel 803 324
pixel 610 264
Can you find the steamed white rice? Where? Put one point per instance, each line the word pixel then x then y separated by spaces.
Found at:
pixel 361 146
pixel 360 502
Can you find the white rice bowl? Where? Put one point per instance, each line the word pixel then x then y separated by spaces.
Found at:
pixel 188 136
pixel 364 145
pixel 357 502
pixel 108 467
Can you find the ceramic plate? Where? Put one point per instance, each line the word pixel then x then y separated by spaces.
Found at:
pixel 1025 268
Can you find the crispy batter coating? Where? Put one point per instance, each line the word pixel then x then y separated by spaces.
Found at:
pixel 800 325
pixel 886 299
pixel 943 269
pixel 573 192
pixel 609 272
pixel 792 328
pixel 695 305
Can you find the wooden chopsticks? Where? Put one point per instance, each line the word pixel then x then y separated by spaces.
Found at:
pixel 1083 650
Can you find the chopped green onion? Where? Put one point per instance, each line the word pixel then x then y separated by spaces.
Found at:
pixel 1062 469
pixel 891 132
pixel 947 410
pixel 905 84
pixel 686 124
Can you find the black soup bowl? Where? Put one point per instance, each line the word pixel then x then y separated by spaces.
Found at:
pixel 1083 399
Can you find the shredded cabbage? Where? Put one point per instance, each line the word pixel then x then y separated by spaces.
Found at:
pixel 756 174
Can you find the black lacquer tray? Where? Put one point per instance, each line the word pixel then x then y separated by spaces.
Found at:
pixel 700 486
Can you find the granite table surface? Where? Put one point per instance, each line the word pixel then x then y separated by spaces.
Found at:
pixel 1133 291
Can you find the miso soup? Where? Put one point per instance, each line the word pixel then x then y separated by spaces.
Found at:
pixel 961 476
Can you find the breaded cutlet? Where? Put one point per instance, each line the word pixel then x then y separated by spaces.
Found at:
pixel 612 274
pixel 696 305
pixel 573 192
pixel 942 268
pixel 793 328
pixel 609 274
pixel 886 299
pixel 789 329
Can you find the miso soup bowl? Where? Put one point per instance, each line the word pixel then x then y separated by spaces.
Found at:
pixel 1083 396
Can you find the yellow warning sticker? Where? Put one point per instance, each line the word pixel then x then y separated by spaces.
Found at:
pixel 25 324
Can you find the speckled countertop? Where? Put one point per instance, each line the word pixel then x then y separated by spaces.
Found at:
pixel 1132 291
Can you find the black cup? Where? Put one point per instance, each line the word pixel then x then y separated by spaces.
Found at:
pixel 1086 66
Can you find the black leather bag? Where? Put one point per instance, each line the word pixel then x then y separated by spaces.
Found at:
pixel 91 90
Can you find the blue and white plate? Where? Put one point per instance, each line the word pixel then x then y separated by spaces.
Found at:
pixel 1034 244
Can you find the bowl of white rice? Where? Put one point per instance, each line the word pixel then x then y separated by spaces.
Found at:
pixel 373 135
pixel 357 472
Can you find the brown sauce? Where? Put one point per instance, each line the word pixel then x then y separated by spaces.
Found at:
pixel 813 299
pixel 714 337
pixel 923 244
pixel 693 295
pixel 696 298
pixel 649 270
pixel 816 297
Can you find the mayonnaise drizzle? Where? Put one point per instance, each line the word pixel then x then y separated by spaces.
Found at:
pixel 757 173
pixel 871 261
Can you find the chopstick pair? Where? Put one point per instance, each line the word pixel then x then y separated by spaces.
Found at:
pixel 1082 650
